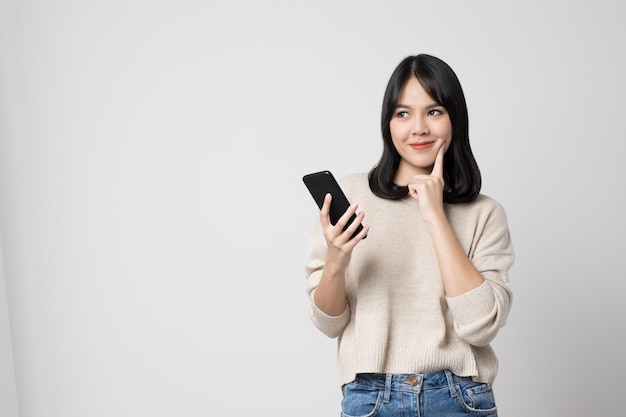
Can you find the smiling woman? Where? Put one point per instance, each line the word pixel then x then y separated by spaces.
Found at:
pixel 154 222
pixel 419 128
pixel 415 307
pixel 424 103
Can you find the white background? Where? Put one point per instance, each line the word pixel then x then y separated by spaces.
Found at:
pixel 154 221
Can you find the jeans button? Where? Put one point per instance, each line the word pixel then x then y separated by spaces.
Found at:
pixel 412 381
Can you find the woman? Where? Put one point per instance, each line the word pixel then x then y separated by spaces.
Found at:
pixel 415 306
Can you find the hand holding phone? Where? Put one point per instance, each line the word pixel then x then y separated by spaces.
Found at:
pixel 322 183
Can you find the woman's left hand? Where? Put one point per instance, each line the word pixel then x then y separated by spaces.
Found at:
pixel 428 189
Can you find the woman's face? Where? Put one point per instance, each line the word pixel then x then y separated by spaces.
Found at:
pixel 419 126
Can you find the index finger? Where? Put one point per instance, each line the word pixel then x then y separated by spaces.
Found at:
pixel 438 166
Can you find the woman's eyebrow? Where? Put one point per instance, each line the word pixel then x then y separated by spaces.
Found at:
pixel 433 105
pixel 428 107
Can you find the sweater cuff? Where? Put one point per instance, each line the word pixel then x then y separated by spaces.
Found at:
pixel 332 326
pixel 472 306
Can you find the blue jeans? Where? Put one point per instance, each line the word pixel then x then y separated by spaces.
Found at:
pixel 417 395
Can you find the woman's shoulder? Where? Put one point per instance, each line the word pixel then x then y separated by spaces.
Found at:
pixel 354 181
pixel 487 201
pixel 356 186
pixel 483 205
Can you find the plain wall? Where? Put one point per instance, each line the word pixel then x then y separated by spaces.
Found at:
pixel 154 221
pixel 8 392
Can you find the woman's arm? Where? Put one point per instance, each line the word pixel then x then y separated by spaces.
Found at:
pixel 457 271
pixel 330 294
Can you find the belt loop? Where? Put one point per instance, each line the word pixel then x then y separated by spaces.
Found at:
pixel 450 383
pixel 387 389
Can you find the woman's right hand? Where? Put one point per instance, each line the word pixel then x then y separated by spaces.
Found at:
pixel 339 244
pixel 330 294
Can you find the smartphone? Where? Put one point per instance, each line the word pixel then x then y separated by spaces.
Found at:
pixel 323 182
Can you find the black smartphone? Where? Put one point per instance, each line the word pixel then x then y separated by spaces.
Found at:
pixel 323 182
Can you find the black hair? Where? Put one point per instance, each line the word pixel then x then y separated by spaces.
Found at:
pixel 461 173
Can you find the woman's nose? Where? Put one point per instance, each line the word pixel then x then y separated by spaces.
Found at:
pixel 419 127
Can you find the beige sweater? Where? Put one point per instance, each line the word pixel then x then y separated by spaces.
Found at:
pixel 398 319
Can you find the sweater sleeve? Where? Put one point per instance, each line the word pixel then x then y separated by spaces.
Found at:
pixel 331 326
pixel 480 313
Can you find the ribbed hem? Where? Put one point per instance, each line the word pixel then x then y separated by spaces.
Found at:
pixel 460 359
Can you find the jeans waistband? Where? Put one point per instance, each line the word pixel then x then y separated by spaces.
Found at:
pixel 412 382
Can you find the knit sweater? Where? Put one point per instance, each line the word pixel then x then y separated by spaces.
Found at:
pixel 398 318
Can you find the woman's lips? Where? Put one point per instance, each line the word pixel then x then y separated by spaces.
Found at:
pixel 421 145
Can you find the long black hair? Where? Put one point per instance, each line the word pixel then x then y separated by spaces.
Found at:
pixel 461 173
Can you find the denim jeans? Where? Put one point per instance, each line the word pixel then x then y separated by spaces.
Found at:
pixel 417 395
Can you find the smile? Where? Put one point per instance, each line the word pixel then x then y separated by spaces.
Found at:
pixel 421 145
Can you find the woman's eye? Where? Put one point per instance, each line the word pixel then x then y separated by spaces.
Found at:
pixel 434 112
pixel 402 114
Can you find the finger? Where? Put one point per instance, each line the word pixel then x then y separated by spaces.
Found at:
pixel 343 220
pixel 356 222
pixel 325 210
pixel 438 166
pixel 358 237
